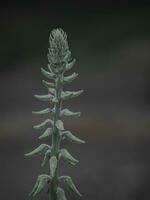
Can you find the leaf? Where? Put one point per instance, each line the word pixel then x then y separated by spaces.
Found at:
pixel 70 137
pixel 43 124
pixel 34 188
pixel 47 74
pixel 60 125
pixel 70 185
pixel 53 165
pixel 41 112
pixel 67 157
pixel 50 67
pixel 66 112
pixel 46 97
pixel 46 157
pixel 39 150
pixel 67 57
pixel 54 100
pixel 70 65
pixel 60 194
pixel 69 95
pixel 51 90
pixel 70 78
pixel 41 182
pixel 47 84
pixel 48 132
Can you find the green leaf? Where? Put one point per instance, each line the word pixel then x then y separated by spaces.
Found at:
pixel 46 97
pixel 70 137
pixel 66 112
pixel 60 125
pixel 44 124
pixel 53 165
pixel 47 74
pixel 51 90
pixel 50 67
pixel 47 84
pixel 48 132
pixel 40 184
pixel 70 185
pixel 39 150
pixel 67 157
pixel 60 194
pixel 46 157
pixel 67 57
pixel 41 112
pixel 54 100
pixel 70 78
pixel 69 95
pixel 70 65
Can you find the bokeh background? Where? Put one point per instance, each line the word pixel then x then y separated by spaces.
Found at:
pixel 111 43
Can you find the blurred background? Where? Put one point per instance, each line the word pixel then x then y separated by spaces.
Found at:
pixel 111 43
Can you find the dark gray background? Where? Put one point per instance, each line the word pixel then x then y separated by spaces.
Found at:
pixel 111 42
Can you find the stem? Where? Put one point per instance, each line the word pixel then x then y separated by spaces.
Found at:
pixel 56 137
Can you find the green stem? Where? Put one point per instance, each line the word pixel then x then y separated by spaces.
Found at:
pixel 56 137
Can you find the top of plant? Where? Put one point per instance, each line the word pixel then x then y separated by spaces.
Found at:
pixel 59 50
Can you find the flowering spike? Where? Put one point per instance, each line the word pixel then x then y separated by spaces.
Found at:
pixel 60 62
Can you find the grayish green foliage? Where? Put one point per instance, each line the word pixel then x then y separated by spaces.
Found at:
pixel 60 62
pixel 60 194
pixel 67 157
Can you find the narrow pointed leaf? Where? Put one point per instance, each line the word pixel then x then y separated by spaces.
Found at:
pixel 67 57
pixel 50 67
pixel 40 184
pixel 67 157
pixel 69 95
pixel 47 84
pixel 70 65
pixel 54 100
pixel 60 125
pixel 72 138
pixel 34 188
pixel 60 194
pixel 48 132
pixel 70 185
pixel 70 78
pixel 47 74
pixel 41 112
pixel 53 165
pixel 51 90
pixel 44 124
pixel 66 112
pixel 46 157
pixel 39 150
pixel 46 97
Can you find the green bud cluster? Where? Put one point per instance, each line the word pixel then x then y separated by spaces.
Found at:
pixel 60 62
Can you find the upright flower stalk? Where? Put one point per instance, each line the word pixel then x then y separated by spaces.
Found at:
pixel 60 61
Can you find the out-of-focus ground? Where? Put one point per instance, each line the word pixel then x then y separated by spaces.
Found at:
pixel 113 59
